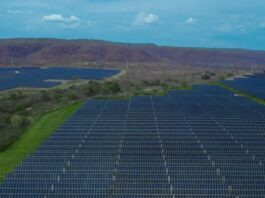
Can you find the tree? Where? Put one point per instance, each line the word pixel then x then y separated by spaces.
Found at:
pixel 184 83
pixel 206 76
pixel 16 121
pixel 94 88
pixel 113 86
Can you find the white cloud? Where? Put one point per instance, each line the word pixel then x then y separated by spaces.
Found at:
pixel 143 18
pixel 53 17
pixel 190 21
pixel 60 18
pixel 224 28
pixel 72 19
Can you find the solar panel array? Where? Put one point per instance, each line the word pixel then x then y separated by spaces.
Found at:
pixel 251 84
pixel 35 77
pixel 201 143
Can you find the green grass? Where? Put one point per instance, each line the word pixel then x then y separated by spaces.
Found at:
pixel 240 93
pixel 39 131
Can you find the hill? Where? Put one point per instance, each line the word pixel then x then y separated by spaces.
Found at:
pixel 87 52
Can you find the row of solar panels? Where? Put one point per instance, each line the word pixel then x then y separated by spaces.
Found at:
pixel 35 77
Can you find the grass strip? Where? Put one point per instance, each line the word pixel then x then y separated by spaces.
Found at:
pixel 240 93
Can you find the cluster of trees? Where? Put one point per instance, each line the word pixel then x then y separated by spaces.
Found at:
pixel 207 75
pixel 19 109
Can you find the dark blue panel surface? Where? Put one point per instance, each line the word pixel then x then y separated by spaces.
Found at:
pixel 36 77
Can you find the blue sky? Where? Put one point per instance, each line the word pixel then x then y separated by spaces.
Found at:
pixel 194 23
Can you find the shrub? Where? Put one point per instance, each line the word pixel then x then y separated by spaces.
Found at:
pixel 7 106
pixel 58 96
pixel 145 82
pixel 20 107
pixel 26 121
pixel 151 82
pixel 164 85
pixel 73 95
pixel 184 83
pixel 94 88
pixel 206 76
pixel 16 121
pixel 72 87
pixel 16 95
pixel 45 95
pixel 112 86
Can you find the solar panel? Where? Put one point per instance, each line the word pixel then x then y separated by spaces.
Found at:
pixel 200 143
pixel 250 84
pixel 35 77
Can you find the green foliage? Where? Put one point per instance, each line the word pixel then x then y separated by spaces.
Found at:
pixel 58 96
pixel 45 95
pixel 20 122
pixel 207 75
pixel 29 120
pixel 16 121
pixel 112 86
pixel 94 88
pixel 72 87
pixel 20 107
pixel 164 85
pixel 73 95
pixel 184 83
pixel 151 83
pixel 16 95
pixel 26 121
pixel 7 106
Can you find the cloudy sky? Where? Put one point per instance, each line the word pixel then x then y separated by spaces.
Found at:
pixel 195 23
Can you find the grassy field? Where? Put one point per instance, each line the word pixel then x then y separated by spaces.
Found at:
pixel 33 137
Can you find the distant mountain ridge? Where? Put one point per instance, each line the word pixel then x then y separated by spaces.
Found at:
pixel 85 52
